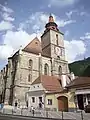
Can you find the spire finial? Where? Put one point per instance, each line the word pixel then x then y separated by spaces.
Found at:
pixel 51 18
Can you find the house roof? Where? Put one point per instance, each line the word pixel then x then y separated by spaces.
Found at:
pixel 50 83
pixel 79 82
pixel 34 46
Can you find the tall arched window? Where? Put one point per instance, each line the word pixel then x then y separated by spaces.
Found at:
pixel 29 78
pixel 57 39
pixel 46 69
pixel 60 70
pixel 30 70
pixel 30 64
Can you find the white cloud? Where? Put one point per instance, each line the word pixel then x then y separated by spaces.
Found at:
pixel 66 33
pixel 61 3
pixel 36 22
pixel 86 36
pixel 70 13
pixel 39 19
pixel 4 25
pixel 13 40
pixel 16 39
pixel 7 17
pixel 22 26
pixel 62 23
pixel 6 9
pixel 84 13
pixel 5 51
pixel 6 13
pixel 74 48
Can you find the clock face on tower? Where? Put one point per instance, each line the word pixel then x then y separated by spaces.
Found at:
pixel 58 51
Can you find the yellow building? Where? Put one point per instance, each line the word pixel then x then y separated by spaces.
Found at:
pixel 62 101
pixel 80 87
pixel 48 91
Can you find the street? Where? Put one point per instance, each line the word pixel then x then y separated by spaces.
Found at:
pixel 13 117
pixel 25 114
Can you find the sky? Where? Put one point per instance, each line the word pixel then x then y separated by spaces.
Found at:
pixel 22 20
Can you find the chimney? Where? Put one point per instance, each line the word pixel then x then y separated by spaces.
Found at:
pixel 72 76
pixel 39 54
pixel 63 80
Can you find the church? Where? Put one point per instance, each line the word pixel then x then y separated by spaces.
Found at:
pixel 41 65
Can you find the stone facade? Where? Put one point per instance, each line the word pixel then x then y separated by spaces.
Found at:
pixel 3 81
pixel 19 73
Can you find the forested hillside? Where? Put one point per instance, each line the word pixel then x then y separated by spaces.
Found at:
pixel 81 68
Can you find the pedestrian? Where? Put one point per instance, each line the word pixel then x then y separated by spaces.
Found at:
pixel 32 110
pixel 40 105
pixel 16 104
pixel 27 104
pixel 1 106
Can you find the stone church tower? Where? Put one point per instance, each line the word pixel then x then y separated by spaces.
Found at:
pixel 53 47
pixel 37 58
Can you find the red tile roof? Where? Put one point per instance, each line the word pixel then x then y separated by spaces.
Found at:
pixel 50 83
pixel 78 82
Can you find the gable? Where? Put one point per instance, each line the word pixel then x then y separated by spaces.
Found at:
pixel 34 46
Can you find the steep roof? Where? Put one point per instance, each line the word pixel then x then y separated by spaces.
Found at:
pixel 79 82
pixel 34 46
pixel 50 83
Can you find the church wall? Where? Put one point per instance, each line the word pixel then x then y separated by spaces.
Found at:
pixel 21 83
pixel 20 95
pixel 24 69
pixel 47 51
pixel 45 40
pixel 63 65
pixel 9 78
pixel 44 61
pixel 53 38
pixel 22 73
pixel 9 81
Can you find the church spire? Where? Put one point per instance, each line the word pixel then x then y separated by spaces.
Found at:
pixel 51 25
pixel 51 18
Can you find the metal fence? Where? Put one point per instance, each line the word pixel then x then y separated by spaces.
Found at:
pixel 81 115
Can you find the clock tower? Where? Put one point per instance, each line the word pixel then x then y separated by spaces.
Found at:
pixel 52 40
pixel 53 44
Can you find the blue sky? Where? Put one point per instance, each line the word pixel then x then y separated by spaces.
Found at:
pixel 22 20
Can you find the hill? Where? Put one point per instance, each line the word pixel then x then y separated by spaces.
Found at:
pixel 80 68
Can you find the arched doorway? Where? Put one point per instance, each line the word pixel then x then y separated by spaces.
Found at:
pixel 62 103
